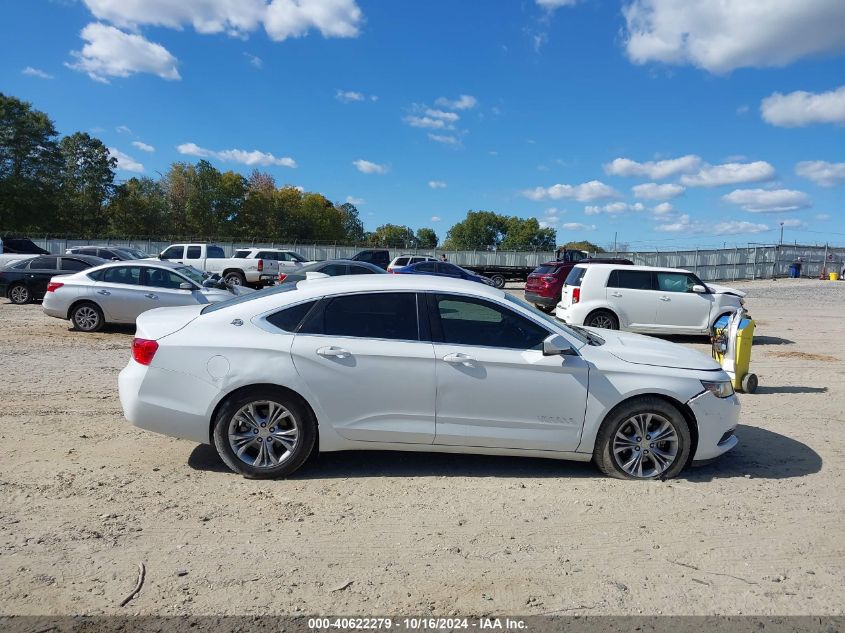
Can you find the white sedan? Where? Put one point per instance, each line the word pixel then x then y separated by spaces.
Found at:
pixel 419 363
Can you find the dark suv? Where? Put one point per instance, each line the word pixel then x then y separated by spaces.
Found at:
pixel 378 256
pixel 544 285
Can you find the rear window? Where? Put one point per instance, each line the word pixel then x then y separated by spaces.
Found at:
pixel 575 276
pixel 387 315
pixel 401 261
pixel 213 251
pixel 252 296
pixel 242 254
pixel 545 270
pixel 194 252
pixel 290 318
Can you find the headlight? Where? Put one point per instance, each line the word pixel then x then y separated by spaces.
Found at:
pixel 721 389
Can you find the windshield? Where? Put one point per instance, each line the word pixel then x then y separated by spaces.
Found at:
pixel 134 253
pixel 548 318
pixel 259 294
pixel 297 257
pixel 192 273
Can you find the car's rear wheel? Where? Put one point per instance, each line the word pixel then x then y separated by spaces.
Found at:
pixel 647 438
pixel 235 279
pixel 546 309
pixel 20 294
pixel 264 433
pixel 602 319
pixel 498 281
pixel 87 317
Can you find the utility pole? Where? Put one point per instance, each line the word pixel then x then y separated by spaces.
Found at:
pixel 781 233
pixel 614 243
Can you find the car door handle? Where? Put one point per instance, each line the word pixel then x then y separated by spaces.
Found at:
pixel 459 359
pixel 665 298
pixel 615 294
pixel 103 292
pixel 333 352
pixel 150 295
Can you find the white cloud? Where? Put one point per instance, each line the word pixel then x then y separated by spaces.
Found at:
pixel 614 208
pixel 729 174
pixel 801 108
pixel 794 223
pixel 143 146
pixel 436 184
pixel 427 122
pixel 244 157
pixel 821 172
pixel 663 209
pixel 449 117
pixel 123 129
pixel 738 227
pixel 822 216
pixel 348 96
pixel 367 167
pixel 768 200
pixel 126 162
pixel 281 18
pixel 585 192
pixel 683 224
pixel 653 191
pixel 110 52
pixel 721 36
pixel 656 170
pixel 577 226
pixel 36 72
pixel 255 60
pixel 445 139
pixel 435 218
pixel 355 201
pixel 463 102
pixel 555 4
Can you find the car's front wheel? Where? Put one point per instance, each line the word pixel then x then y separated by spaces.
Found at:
pixel 647 438
pixel 20 294
pixel 264 433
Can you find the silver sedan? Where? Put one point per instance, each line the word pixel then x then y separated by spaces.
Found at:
pixel 118 292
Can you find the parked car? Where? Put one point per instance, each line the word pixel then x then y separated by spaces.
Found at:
pixel 441 269
pixel 287 261
pixel 16 249
pixel 543 286
pixel 332 268
pixel 378 256
pixel 237 271
pixel 407 260
pixel 27 280
pixel 414 363
pixel 110 253
pixel 118 292
pixel 644 299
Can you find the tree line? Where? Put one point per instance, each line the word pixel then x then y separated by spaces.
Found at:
pixel 66 185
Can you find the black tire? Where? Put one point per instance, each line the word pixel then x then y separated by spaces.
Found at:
pixel 498 281
pixel 749 383
pixel 19 294
pixel 623 420
pixel 235 278
pixel 546 309
pixel 604 319
pixel 87 317
pixel 228 419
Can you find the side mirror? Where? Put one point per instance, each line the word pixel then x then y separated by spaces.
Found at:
pixel 699 289
pixel 186 286
pixel 556 345
pixel 161 255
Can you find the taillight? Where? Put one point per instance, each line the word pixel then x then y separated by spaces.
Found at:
pixel 282 277
pixel 260 265
pixel 549 279
pixel 576 295
pixel 143 350
pixel 53 286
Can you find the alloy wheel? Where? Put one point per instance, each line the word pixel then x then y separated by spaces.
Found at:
pixel 19 294
pixel 86 318
pixel 646 445
pixel 263 434
pixel 602 321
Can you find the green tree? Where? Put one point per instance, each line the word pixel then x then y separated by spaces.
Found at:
pixel 256 214
pixel 87 177
pixel 486 229
pixel 426 238
pixel 29 166
pixel 393 235
pixel 138 207
pixel 353 227
pixel 527 233
pixel 583 245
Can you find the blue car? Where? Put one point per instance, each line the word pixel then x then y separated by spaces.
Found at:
pixel 441 269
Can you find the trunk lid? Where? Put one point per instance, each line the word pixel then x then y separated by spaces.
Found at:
pixel 158 323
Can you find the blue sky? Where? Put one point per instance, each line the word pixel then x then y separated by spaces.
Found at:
pixel 728 118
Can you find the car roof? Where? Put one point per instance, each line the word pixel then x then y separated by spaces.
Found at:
pixel 91 259
pixel 631 267
pixel 155 263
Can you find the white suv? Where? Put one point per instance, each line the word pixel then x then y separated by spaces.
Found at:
pixel 644 299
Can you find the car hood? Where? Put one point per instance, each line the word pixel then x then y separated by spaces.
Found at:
pixel 725 290
pixel 646 350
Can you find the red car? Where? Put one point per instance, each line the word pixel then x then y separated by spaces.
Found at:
pixel 544 285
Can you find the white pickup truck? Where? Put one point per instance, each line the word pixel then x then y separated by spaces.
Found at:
pixel 288 261
pixel 236 271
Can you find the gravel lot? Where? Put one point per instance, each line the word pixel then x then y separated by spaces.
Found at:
pixel 84 497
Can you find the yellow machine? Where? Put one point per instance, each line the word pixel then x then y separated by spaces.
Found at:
pixel 732 338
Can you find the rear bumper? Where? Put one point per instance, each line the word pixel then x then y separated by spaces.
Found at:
pixel 717 419
pixel 533 297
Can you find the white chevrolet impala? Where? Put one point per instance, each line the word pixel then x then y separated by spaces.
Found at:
pixel 419 363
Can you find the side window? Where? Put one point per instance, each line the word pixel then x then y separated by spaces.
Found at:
pixel 385 315
pixel 213 252
pixel 334 270
pixel 415 260
pixel 266 255
pixel 469 321
pixel 105 254
pixel 401 261
pixel 160 278
pixel 426 267
pixel 675 282
pixel 123 275
pixel 74 265
pixel 290 318
pixel 632 279
pixel 359 270
pixel 194 252
pixel 173 252
pixel 449 269
pixel 44 263
pixel 97 275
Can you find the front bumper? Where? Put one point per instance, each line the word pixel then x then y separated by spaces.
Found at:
pixel 532 297
pixel 717 418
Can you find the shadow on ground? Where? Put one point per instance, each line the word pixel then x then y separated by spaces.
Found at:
pixel 761 454
pixel 790 389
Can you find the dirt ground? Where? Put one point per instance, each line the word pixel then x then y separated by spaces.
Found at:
pixel 85 497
